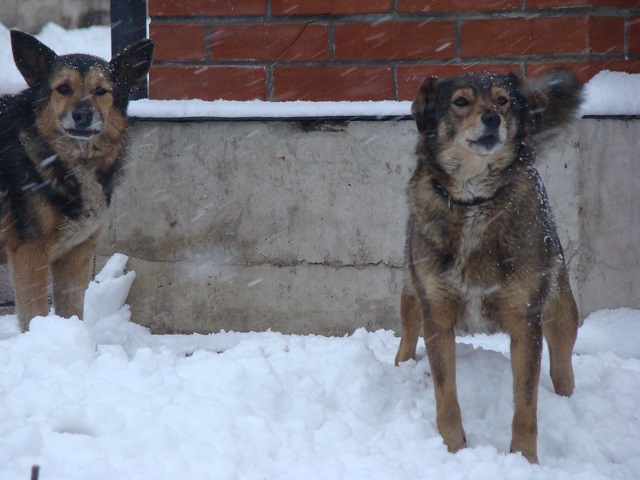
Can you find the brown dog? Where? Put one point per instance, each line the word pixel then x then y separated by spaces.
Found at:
pixel 62 143
pixel 482 252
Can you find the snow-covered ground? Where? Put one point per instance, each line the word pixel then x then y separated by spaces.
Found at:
pixel 104 399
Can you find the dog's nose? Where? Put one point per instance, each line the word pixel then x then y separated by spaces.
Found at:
pixel 491 120
pixel 82 116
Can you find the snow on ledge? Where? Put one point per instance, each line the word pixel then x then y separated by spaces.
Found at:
pixel 608 93
pixel 260 109
pixel 612 93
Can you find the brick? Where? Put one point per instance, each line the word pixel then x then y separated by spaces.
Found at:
pixel 634 35
pixel 456 5
pixel 332 83
pixel 606 35
pixel 629 66
pixel 329 7
pixel 270 42
pixel 207 83
pixel 557 3
pixel 164 8
pixel 559 35
pixel 182 42
pixel 522 36
pixel 582 3
pixel 584 70
pixel 394 40
pixel 410 77
pixel 616 3
pixel 486 38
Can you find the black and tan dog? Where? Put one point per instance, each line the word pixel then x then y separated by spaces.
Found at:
pixel 482 251
pixel 61 155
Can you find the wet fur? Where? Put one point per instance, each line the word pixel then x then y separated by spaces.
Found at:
pixel 482 251
pixel 62 143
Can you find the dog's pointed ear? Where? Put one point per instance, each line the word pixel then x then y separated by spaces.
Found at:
pixel 563 96
pixel 424 103
pixel 131 66
pixel 32 57
pixel 535 100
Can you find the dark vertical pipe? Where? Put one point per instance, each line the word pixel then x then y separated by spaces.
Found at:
pixel 128 25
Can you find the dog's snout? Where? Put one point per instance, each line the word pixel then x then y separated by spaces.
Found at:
pixel 491 120
pixel 82 116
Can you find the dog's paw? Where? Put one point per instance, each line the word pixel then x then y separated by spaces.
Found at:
pixel 454 438
pixel 530 455
pixel 563 384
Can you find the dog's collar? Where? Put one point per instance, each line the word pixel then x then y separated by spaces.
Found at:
pixel 440 190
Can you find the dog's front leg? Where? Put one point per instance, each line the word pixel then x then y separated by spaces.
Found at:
pixel 526 352
pixel 71 273
pixel 441 351
pixel 29 263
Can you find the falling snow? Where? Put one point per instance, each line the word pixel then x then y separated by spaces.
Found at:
pixel 105 399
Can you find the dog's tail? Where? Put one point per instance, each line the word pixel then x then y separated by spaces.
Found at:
pixel 561 95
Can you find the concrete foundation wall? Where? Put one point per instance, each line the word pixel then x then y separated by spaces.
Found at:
pixel 609 260
pixel 276 225
pixel 299 227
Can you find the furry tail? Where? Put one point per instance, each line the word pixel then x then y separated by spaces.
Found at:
pixel 562 95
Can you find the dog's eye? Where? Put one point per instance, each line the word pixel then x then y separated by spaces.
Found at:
pixel 503 100
pixel 101 91
pixel 461 102
pixel 63 89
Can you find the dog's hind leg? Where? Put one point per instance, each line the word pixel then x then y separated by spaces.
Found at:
pixel 71 276
pixel 560 329
pixel 412 322
pixel 29 263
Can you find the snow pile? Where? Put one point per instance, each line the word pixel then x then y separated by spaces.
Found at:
pixel 608 93
pixel 105 399
pixel 612 93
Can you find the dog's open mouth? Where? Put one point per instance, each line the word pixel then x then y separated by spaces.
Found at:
pixel 81 134
pixel 488 142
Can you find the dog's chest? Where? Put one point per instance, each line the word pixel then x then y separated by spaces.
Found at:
pixel 471 274
pixel 77 230
pixel 474 226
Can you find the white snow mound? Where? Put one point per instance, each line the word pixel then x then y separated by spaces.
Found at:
pixel 105 399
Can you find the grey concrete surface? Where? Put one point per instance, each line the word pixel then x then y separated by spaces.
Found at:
pixel 299 228
pixel 609 267
pixel 253 225
pixel 281 225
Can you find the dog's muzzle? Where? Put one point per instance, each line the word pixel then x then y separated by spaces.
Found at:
pixel 491 134
pixel 81 123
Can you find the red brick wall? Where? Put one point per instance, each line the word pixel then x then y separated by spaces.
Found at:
pixel 282 50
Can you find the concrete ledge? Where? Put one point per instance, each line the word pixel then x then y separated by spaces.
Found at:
pixel 299 226
pixel 205 297
pixel 293 226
